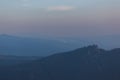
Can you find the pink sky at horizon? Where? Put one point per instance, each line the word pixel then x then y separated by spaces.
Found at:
pixel 68 18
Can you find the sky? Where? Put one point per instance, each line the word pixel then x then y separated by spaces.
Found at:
pixel 60 18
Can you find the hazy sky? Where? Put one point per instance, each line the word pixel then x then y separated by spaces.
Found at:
pixel 60 17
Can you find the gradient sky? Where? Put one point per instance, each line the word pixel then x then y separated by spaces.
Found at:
pixel 60 18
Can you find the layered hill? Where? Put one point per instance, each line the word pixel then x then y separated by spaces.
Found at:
pixel 22 46
pixel 87 63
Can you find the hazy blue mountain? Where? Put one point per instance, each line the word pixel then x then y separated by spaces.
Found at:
pixel 107 42
pixel 87 63
pixel 20 46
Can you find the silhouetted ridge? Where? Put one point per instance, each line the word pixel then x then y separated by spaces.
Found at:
pixel 92 49
pixel 87 63
pixel 116 50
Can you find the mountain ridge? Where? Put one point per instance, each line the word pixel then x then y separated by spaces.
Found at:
pixel 23 46
pixel 87 63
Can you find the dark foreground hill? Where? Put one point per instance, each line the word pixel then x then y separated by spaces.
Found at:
pixel 88 63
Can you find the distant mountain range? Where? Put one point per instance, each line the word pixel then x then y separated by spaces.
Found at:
pixel 87 63
pixel 23 46
pixel 20 46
